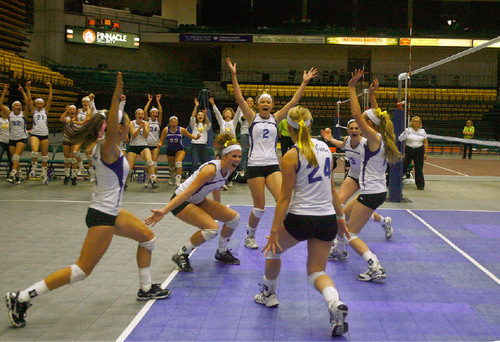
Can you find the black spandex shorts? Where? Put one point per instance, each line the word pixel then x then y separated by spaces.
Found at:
pixel 180 207
pixel 372 201
pixel 354 179
pixel 305 227
pixel 98 218
pixel 41 137
pixel 14 142
pixel 172 152
pixel 152 147
pixel 261 171
pixel 136 149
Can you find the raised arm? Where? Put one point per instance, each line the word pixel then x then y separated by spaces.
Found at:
pixel 370 134
pixel 110 152
pixel 327 135
pixel 218 115
pixel 123 100
pixel 160 108
pixel 5 110
pixel 62 118
pixel 245 108
pixel 308 75
pixel 371 90
pixel 146 107
pixel 49 101
pixel 27 99
pixel 93 108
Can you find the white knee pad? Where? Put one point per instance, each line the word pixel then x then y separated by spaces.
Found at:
pixel 77 154
pixel 150 245
pixel 16 157
pixel 353 237
pixel 258 213
pixel 67 160
pixel 45 159
pixel 178 164
pixel 272 256
pixel 233 224
pixel 76 274
pixel 155 164
pixel 34 154
pixel 149 163
pixel 312 277
pixel 209 234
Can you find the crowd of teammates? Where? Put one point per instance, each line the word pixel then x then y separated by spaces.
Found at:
pixel 308 205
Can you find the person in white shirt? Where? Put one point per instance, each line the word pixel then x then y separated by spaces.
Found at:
pixel 416 147
pixel 155 119
pixel 105 217
pixel 18 136
pixel 4 131
pixel 263 165
pixel 85 113
pixel 191 205
pixel 70 122
pixel 40 135
pixel 377 151
pixel 308 209
pixel 200 124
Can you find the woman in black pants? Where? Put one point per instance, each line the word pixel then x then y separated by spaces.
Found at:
pixel 415 149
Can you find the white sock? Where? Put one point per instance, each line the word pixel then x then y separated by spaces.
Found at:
pixel 341 244
pixel 330 294
pixel 178 178
pixel 370 258
pixel 34 166
pixel 66 171
pixel 187 248
pixel 223 243
pixel 74 173
pixel 13 173
pixel 145 278
pixel 44 170
pixel 35 290
pixel 270 286
pixel 251 231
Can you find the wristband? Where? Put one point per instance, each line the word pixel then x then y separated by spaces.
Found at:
pixel 341 217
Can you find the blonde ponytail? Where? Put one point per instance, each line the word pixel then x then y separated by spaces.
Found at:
pixel 299 115
pixel 386 129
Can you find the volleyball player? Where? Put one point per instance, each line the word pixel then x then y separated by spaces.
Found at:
pixel 40 135
pixel 191 205
pixel 263 165
pixel 18 137
pixel 83 114
pixel 378 149
pixel 155 117
pixel 4 131
pixel 138 145
pixel 200 124
pixel 352 145
pixel 70 123
pixel 175 149
pixel 104 218
pixel 308 209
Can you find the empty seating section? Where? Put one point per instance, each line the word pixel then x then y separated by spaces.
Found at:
pixel 140 82
pixel 26 70
pixel 16 22
pixel 443 110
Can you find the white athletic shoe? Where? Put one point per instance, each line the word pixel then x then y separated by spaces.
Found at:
pixel 335 255
pixel 388 227
pixel 32 174
pixel 250 243
pixel 338 313
pixel 171 181
pixel 45 180
pixel 81 171
pixel 374 272
pixel 269 301
pixel 92 177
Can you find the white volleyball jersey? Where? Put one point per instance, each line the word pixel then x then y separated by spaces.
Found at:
pixel 40 126
pixel 215 184
pixel 17 126
pixel 139 140
pixel 353 155
pixel 226 126
pixel 4 130
pixel 263 142
pixel 312 193
pixel 81 116
pixel 373 166
pixel 68 126
pixel 109 184
pixel 199 128
pixel 154 133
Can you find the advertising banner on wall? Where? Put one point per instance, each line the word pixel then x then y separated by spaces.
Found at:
pixel 362 41
pixel 436 42
pixel 215 38
pixel 93 36
pixel 288 39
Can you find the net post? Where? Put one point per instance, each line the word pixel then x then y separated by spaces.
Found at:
pixel 396 170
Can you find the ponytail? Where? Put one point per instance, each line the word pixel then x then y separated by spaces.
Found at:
pixel 298 116
pixel 88 133
pixel 386 129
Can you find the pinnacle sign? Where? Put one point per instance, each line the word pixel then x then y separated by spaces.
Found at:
pixel 102 37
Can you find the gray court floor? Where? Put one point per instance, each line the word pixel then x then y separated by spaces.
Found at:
pixel 42 229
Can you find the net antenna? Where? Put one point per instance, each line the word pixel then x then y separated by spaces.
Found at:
pixel 405 76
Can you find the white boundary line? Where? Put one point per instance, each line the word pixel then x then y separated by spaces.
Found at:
pixel 460 173
pixel 467 256
pixel 137 319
